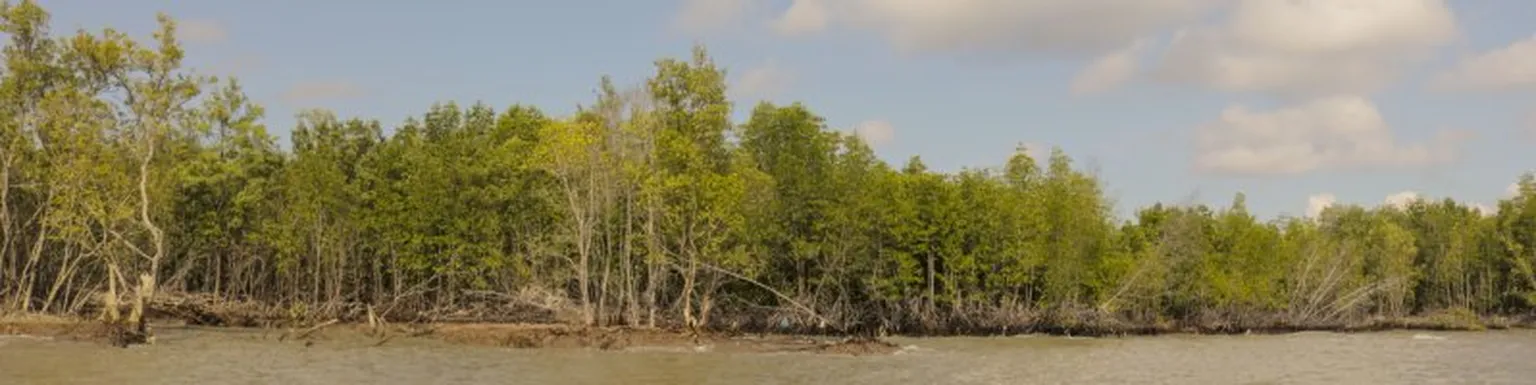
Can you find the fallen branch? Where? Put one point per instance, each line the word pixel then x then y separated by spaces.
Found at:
pixel 385 339
pixel 770 289
pixel 307 332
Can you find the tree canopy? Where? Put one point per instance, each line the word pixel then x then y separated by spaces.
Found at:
pixel 648 207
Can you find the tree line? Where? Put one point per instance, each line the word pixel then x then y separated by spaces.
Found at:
pixel 123 174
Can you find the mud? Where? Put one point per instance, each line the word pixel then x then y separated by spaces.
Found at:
pixel 517 336
pixel 115 334
pixel 567 337
pixel 564 336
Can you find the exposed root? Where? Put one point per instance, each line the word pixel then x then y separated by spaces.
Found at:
pixel 121 335
pixel 543 336
pixel 860 346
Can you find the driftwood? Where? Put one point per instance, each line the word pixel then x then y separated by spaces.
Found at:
pixel 311 330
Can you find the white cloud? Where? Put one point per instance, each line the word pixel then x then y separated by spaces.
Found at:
pixel 1082 27
pixel 1333 132
pixel 1511 67
pixel 763 82
pixel 201 31
pixel 1041 153
pixel 1402 199
pixel 1108 71
pixel 701 16
pixel 1513 190
pixel 1484 210
pixel 875 132
pixel 322 90
pixel 803 17
pixel 1309 47
pixel 1319 202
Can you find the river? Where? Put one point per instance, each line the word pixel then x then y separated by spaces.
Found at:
pixel 220 357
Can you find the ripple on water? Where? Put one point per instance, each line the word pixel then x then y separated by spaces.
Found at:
pixel 219 358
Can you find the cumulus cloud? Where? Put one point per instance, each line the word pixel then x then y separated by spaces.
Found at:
pixel 763 82
pixel 1402 199
pixel 875 132
pixel 1108 71
pixel 201 31
pixel 1513 190
pixel 1332 132
pixel 700 16
pixel 1319 202
pixel 321 90
pixel 1510 67
pixel 1082 27
pixel 1309 48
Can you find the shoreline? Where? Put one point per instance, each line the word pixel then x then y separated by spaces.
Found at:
pixel 509 335
pixel 622 338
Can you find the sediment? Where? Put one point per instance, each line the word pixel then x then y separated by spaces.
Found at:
pixel 61 328
pixel 545 332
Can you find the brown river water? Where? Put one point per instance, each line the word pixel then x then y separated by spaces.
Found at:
pixel 219 357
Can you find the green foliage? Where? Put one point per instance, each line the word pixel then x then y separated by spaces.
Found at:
pixel 652 202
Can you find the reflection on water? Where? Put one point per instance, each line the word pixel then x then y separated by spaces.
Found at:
pixel 190 356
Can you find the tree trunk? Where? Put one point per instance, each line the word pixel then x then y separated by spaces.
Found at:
pixel 653 264
pixel 66 269
pixel 5 221
pixel 157 237
pixel 627 267
pixel 602 292
pixel 583 249
pixel 109 301
pixel 707 298
pixel 689 275
pixel 28 274
pixel 931 287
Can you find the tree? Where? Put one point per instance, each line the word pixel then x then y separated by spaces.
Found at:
pixel 698 187
pixel 573 153
pixel 791 146
pixel 652 207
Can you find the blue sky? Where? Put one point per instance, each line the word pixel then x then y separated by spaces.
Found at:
pixel 1288 101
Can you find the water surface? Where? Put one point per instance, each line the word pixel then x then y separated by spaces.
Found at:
pixel 219 357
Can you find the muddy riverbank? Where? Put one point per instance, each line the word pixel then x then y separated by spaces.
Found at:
pixel 560 336
pixel 195 355
pixel 518 336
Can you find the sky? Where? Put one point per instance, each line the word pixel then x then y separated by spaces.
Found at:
pixel 1295 103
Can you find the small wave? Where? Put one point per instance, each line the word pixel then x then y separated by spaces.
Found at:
pixel 1428 337
pixel 658 349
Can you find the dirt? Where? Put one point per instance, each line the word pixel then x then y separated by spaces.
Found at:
pixel 517 336
pixel 544 336
pixel 561 336
pixel 59 328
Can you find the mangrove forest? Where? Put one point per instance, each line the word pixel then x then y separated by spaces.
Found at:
pixel 130 184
